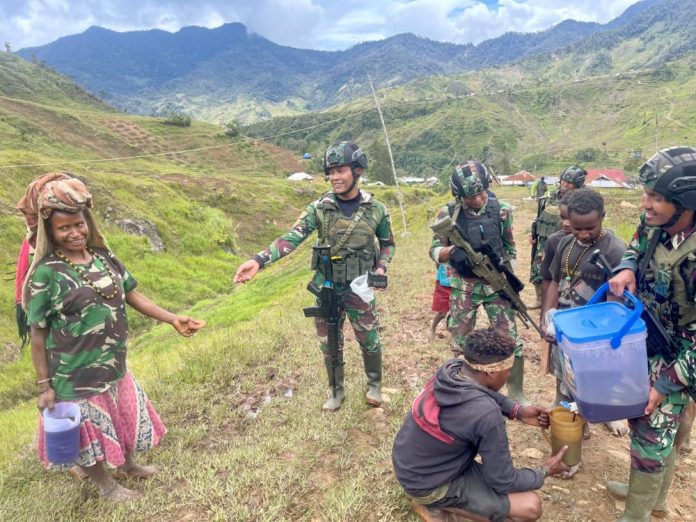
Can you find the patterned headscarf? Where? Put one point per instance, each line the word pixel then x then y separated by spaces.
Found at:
pixel 66 195
pixel 28 205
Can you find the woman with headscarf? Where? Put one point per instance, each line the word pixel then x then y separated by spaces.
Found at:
pixel 75 296
pixel 30 210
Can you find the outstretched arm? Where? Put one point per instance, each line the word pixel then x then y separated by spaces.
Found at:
pixel 185 325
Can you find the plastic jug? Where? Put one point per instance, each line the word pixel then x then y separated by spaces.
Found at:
pixel 62 432
pixel 604 359
pixel 566 430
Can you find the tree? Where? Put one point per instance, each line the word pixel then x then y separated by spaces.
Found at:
pixel 8 47
pixel 379 166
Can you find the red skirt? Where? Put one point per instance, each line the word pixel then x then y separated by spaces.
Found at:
pixel 118 421
pixel 441 297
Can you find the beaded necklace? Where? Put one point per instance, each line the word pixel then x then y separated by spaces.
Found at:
pixel 82 274
pixel 570 273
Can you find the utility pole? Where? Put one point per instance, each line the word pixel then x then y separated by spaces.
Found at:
pixel 399 196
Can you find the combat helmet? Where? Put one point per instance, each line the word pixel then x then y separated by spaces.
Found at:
pixel 466 179
pixel 672 173
pixel 344 153
pixel 575 175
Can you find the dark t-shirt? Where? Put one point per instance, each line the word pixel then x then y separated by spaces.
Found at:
pixel 550 252
pixel 576 288
pixel 349 206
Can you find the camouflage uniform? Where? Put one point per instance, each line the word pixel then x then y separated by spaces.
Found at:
pixel 88 335
pixel 319 215
pixel 549 222
pixel 468 293
pixel 665 291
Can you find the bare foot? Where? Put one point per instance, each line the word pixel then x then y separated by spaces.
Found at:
pixel 571 472
pixel 119 494
pixel 78 472
pixel 617 428
pixel 428 514
pixel 135 471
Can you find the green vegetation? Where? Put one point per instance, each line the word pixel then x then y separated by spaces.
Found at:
pixel 535 123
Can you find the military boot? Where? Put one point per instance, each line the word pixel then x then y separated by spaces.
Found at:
pixel 336 384
pixel 643 490
pixel 515 382
pixel 620 489
pixel 660 508
pixel 537 304
pixel 373 371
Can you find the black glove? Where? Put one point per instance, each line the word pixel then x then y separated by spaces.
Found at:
pixel 459 260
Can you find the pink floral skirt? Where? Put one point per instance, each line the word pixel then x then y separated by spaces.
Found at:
pixel 116 422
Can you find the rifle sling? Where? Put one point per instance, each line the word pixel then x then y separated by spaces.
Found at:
pixel 645 260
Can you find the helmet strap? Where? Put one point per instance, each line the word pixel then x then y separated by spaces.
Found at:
pixel 675 217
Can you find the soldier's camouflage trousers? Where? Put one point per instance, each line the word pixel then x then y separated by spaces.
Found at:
pixel 652 436
pixel 535 268
pixel 364 320
pixel 464 304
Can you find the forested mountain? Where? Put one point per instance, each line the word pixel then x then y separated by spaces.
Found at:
pixel 228 73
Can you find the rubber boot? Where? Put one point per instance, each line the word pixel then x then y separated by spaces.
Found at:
pixel 660 509
pixel 643 489
pixel 515 382
pixel 373 371
pixel 620 489
pixel 537 304
pixel 336 384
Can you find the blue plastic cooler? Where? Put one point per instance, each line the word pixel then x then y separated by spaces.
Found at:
pixel 604 359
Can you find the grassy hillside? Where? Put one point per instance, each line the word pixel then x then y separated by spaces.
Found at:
pixel 212 206
pixel 513 119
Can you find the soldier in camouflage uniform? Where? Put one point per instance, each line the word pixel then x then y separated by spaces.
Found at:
pixel 486 223
pixel 662 252
pixel 548 222
pixel 358 229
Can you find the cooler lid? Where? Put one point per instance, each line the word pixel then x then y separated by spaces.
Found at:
pixel 595 322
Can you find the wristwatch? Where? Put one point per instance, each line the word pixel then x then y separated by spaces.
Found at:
pixel 545 472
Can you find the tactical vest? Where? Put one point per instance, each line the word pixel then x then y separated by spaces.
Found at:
pixel 481 229
pixel 352 255
pixel 669 285
pixel 550 218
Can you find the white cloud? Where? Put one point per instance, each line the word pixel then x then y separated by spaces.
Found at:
pixel 318 24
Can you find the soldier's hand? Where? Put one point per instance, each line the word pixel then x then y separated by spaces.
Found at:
pixel 531 239
pixel 624 280
pixel 654 400
pixel 246 271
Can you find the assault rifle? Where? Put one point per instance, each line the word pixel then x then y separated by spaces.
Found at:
pixel 489 267
pixel 329 307
pixel 541 203
pixel 658 341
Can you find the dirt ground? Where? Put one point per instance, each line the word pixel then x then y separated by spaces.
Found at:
pixel 604 456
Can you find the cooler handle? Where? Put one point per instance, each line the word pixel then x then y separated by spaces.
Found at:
pixel 637 311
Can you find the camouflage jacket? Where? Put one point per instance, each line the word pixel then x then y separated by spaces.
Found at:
pixel 437 243
pixel 675 377
pixel 87 334
pixel 310 220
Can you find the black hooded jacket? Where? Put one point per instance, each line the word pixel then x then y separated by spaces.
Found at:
pixel 471 423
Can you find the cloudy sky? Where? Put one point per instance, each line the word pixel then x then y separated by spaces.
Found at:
pixel 314 24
